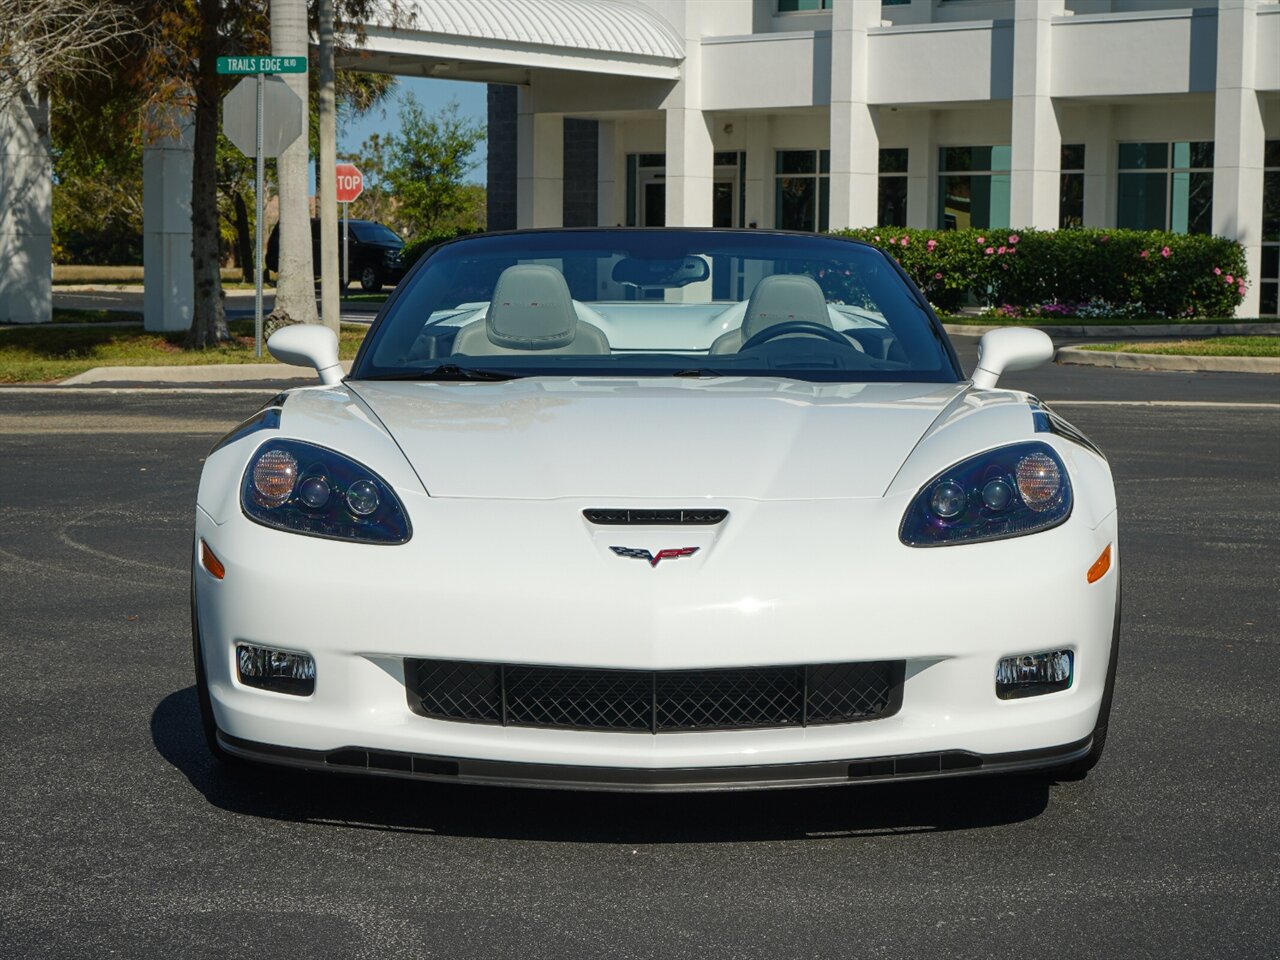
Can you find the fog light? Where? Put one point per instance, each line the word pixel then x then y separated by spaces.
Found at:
pixel 1031 674
pixel 278 670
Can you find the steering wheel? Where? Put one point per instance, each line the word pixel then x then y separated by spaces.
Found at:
pixel 805 327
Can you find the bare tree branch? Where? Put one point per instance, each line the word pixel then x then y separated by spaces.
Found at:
pixel 46 40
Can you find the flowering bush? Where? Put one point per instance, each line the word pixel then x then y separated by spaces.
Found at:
pixel 1070 273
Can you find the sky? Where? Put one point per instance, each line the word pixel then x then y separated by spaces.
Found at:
pixel 432 95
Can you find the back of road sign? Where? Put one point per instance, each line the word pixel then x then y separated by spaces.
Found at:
pixel 281 116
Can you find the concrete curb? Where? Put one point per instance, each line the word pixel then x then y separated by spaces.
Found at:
pixel 1130 331
pixel 208 373
pixel 1154 361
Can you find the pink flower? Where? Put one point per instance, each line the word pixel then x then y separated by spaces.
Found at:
pixel 1002 250
pixel 981 241
pixel 1014 238
pixel 1103 239
pixel 905 241
pixel 937 276
pixel 1143 254
pixel 931 245
pixel 989 250
pixel 1241 289
pixel 1165 252
pixel 1217 271
pixel 877 239
pixel 1230 278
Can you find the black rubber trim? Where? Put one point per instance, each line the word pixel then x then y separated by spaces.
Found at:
pixel 947 763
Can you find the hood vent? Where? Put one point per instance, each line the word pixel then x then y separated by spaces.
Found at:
pixel 695 517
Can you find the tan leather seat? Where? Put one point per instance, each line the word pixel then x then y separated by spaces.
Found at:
pixel 777 299
pixel 531 310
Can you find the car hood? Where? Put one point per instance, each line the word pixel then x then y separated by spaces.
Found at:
pixel 758 438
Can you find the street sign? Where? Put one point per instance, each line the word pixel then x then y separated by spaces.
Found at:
pixel 350 182
pixel 281 116
pixel 239 66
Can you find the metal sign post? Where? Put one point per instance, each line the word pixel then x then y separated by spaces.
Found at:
pixel 346 238
pixel 262 117
pixel 257 231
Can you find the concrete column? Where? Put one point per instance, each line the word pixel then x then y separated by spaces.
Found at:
pixel 168 300
pixel 855 143
pixel 759 185
pixel 690 168
pixel 26 213
pixel 608 209
pixel 922 171
pixel 539 166
pixel 1099 169
pixel 1036 161
pixel 1239 140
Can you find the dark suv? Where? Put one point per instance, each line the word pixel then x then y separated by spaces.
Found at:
pixel 376 253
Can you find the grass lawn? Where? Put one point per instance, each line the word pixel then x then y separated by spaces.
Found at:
pixel 87 273
pixel 1212 347
pixel 32 353
pixel 971 321
pixel 72 315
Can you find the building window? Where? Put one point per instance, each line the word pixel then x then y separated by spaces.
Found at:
pixel 1269 276
pixel 973 187
pixel 802 191
pixel 893 187
pixel 1166 186
pixel 803 6
pixel 1071 195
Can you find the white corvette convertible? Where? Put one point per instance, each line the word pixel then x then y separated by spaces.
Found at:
pixel 657 510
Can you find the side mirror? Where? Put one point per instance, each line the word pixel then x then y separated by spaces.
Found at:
pixel 308 345
pixel 1010 348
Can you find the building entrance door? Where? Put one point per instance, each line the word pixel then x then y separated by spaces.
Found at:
pixel 653 210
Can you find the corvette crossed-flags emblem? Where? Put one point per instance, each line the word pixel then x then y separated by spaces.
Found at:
pixel 672 553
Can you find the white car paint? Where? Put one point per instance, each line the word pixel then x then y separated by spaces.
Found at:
pixel 808 567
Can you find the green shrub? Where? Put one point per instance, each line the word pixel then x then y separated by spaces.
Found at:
pixel 415 249
pixel 1090 272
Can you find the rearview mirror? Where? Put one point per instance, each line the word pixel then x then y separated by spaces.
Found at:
pixel 308 345
pixel 678 272
pixel 1010 348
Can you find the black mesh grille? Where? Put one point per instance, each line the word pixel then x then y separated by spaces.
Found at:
pixel 697 517
pixel 654 701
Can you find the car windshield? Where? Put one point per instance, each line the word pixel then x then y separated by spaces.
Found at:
pixel 367 232
pixel 635 303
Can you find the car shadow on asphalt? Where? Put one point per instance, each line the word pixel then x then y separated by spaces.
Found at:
pixel 383 803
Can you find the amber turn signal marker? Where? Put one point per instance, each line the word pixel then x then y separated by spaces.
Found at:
pixel 1100 566
pixel 215 567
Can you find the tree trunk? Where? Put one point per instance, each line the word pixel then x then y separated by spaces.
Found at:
pixel 295 276
pixel 327 192
pixel 209 321
pixel 244 237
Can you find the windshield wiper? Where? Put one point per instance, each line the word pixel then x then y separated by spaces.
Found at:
pixel 450 371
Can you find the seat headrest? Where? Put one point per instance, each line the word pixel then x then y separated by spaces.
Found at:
pixel 531 309
pixel 783 297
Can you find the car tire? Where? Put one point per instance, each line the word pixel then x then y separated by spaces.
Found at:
pixel 207 722
pixel 370 279
pixel 1077 769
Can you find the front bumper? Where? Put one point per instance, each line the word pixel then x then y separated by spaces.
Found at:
pixel 639 779
pixel 470 585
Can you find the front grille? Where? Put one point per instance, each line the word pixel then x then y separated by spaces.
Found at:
pixel 650 701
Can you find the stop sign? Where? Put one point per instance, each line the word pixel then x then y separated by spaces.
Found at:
pixel 350 182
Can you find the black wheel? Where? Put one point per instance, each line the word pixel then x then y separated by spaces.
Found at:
pixel 1078 768
pixel 207 722
pixel 370 279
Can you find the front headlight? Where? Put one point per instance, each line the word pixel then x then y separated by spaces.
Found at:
pixel 1002 493
pixel 302 488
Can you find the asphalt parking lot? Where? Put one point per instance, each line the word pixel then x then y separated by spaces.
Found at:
pixel 121 836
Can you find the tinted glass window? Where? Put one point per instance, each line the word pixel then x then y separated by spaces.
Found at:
pixel 659 303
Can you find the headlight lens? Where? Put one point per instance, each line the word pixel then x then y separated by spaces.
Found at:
pixel 307 489
pixel 1002 493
